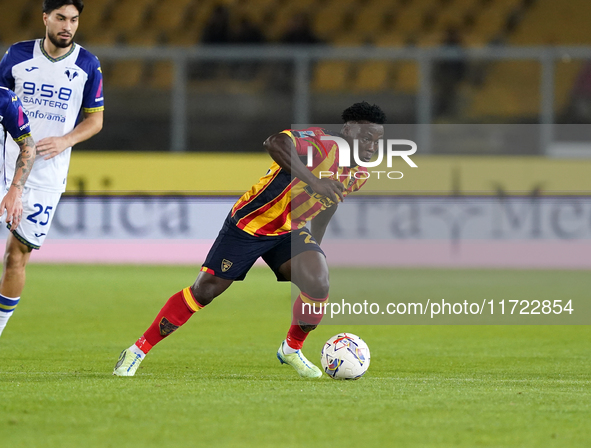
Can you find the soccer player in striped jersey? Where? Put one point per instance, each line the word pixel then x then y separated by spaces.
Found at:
pixel 13 121
pixel 269 221
pixel 56 80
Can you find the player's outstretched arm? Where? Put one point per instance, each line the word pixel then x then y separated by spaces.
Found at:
pixel 50 147
pixel 282 150
pixel 320 222
pixel 12 202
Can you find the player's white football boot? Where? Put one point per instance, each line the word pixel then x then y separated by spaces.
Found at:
pixel 299 362
pixel 128 363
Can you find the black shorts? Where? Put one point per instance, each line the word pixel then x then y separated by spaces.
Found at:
pixel 234 251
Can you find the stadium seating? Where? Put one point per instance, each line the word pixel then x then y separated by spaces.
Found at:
pixel 94 16
pixel 162 75
pixel 453 13
pixel 12 18
pixel 373 76
pixel 282 17
pixel 545 24
pixel 330 19
pixel 331 76
pixel 125 73
pixel 511 89
pixel 257 11
pixel 407 77
pixel 370 19
pixel 506 88
pixel 410 19
pixel 127 16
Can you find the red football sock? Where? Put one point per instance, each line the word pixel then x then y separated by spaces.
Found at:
pixel 307 314
pixel 296 337
pixel 179 308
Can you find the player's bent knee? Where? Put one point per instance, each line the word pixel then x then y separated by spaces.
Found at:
pixel 204 294
pixel 207 287
pixel 317 286
pixel 14 260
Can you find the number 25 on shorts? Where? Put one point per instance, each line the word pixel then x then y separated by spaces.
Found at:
pixel 40 210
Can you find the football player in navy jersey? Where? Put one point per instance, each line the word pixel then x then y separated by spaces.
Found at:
pixel 13 121
pixel 55 79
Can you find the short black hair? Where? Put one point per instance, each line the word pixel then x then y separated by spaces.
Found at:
pixel 50 5
pixel 364 112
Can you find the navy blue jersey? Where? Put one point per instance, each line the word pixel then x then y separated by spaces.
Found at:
pixel 13 121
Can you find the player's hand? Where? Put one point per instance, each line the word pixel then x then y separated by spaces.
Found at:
pixel 13 205
pixel 50 147
pixel 330 188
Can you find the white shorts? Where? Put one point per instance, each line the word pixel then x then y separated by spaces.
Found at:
pixel 38 210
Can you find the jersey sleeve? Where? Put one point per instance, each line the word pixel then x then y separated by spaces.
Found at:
pixel 300 144
pixel 6 78
pixel 15 120
pixel 19 52
pixel 92 98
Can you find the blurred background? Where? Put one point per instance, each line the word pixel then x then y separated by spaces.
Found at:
pixel 193 87
pixel 220 75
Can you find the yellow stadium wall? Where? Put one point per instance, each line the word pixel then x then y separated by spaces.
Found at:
pixel 230 174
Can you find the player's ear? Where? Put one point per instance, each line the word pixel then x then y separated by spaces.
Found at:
pixel 45 17
pixel 352 130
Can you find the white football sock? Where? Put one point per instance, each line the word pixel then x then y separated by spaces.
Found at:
pixel 136 350
pixel 7 306
pixel 287 349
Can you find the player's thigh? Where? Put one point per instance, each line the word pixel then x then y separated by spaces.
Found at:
pixel 234 252
pixel 309 272
pixel 38 212
pixel 289 246
pixel 306 266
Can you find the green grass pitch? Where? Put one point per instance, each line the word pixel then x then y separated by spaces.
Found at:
pixel 217 383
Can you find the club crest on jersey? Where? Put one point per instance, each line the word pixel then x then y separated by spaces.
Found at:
pixel 71 74
pixel 226 264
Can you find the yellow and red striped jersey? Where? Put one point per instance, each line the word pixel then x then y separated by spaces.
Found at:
pixel 278 204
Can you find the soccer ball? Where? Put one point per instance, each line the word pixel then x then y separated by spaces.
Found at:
pixel 345 357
